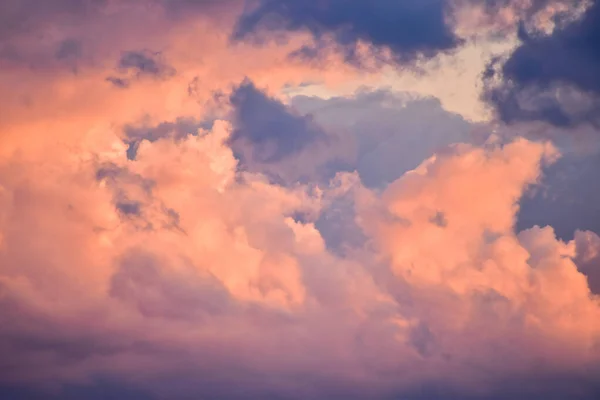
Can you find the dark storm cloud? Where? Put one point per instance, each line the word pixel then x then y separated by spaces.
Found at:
pixel 411 29
pixel 267 131
pixel 553 78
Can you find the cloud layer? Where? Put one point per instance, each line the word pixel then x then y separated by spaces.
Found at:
pixel 173 226
pixel 410 29
pixel 177 252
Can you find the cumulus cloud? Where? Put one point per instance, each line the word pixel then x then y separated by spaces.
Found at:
pixel 240 284
pixel 194 237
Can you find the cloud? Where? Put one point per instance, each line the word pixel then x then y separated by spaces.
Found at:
pixel 277 140
pixel 25 16
pixel 161 294
pixel 270 130
pixel 567 199
pixel 379 133
pixel 194 237
pixel 177 130
pixel 393 131
pixel 144 63
pixel 588 258
pixel 411 30
pixel 139 64
pixel 183 8
pixel 69 48
pixel 242 289
pixel 43 86
pixel 22 16
pixel 551 77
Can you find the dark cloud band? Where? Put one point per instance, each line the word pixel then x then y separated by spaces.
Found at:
pixel 552 78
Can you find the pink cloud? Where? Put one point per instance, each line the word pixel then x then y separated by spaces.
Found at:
pixel 178 273
pixel 213 268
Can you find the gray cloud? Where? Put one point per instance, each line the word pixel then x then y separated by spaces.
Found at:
pixel 141 282
pixel 410 29
pixel 135 65
pixel 568 198
pixel 551 78
pixel 393 132
pixel 176 130
pixel 270 130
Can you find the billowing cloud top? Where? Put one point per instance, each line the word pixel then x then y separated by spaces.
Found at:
pixel 190 210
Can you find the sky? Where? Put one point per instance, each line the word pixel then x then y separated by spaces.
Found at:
pixel 300 199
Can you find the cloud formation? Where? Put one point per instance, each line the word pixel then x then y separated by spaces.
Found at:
pixel 409 129
pixel 411 30
pixel 242 283
pixel 552 77
pixel 186 230
pixel 269 130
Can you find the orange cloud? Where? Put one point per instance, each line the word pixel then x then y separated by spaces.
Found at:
pixel 179 251
pixel 179 273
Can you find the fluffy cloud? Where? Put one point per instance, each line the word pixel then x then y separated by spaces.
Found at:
pixel 212 278
pixel 182 235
